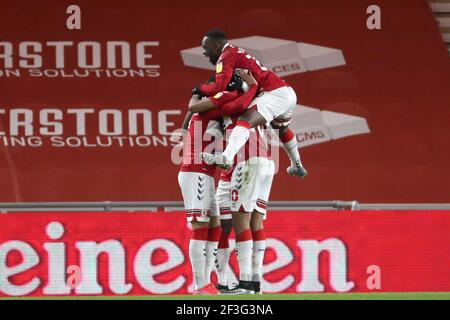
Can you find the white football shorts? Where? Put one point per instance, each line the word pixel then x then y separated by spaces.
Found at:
pixel 223 199
pixel 198 195
pixel 276 103
pixel 249 188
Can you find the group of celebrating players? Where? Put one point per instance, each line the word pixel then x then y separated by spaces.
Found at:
pixel 243 98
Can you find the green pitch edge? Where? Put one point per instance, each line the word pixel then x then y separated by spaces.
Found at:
pixel 306 296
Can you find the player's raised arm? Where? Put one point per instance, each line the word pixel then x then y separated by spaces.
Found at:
pixel 238 105
pixel 201 105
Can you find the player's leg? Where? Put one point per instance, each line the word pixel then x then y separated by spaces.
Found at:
pixel 243 202
pixel 259 248
pixel 197 257
pixel 264 180
pixel 290 144
pixel 223 256
pixel 223 252
pixel 241 132
pixel 263 110
pixel 213 236
pixel 197 207
pixel 244 249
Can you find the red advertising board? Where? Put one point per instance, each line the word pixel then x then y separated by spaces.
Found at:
pixel 87 114
pixel 146 253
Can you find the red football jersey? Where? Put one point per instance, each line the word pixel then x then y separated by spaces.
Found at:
pixel 236 58
pixel 227 103
pixel 195 143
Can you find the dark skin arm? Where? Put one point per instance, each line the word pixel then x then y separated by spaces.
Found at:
pixel 232 108
pixel 201 106
pixel 194 100
pixel 206 104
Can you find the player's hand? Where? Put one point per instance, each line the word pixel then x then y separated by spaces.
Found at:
pixel 196 91
pixel 235 83
pixel 247 77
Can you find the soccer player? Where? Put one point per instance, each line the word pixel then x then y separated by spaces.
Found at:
pixel 197 183
pixel 276 101
pixel 197 186
pixel 242 195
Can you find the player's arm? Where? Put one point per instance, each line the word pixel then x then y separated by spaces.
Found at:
pixel 238 105
pixel 224 72
pixel 232 108
pixel 194 99
pixel 201 105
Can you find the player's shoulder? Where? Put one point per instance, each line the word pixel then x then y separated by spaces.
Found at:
pixel 230 53
pixel 232 49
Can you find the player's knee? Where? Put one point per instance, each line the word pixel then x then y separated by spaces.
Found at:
pixel 241 221
pixel 246 115
pixel 214 222
pixel 282 131
pixel 252 117
pixel 237 225
pixel 199 225
pixel 257 221
pixel 226 226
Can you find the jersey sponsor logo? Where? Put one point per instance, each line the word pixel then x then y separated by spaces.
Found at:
pixel 219 67
pixel 218 95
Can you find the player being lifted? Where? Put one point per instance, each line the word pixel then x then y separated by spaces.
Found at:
pixel 276 101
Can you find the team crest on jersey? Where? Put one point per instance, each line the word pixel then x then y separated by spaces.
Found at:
pixel 218 95
pixel 219 67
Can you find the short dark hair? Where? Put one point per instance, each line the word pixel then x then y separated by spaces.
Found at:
pixel 216 34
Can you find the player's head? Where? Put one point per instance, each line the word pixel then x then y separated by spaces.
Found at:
pixel 213 43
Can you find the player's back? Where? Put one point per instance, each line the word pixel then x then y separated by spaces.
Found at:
pixel 194 143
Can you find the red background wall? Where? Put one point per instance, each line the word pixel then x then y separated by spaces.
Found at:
pixel 397 78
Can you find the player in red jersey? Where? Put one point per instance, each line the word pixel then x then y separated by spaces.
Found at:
pixel 197 186
pixel 196 180
pixel 276 101
pixel 242 195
